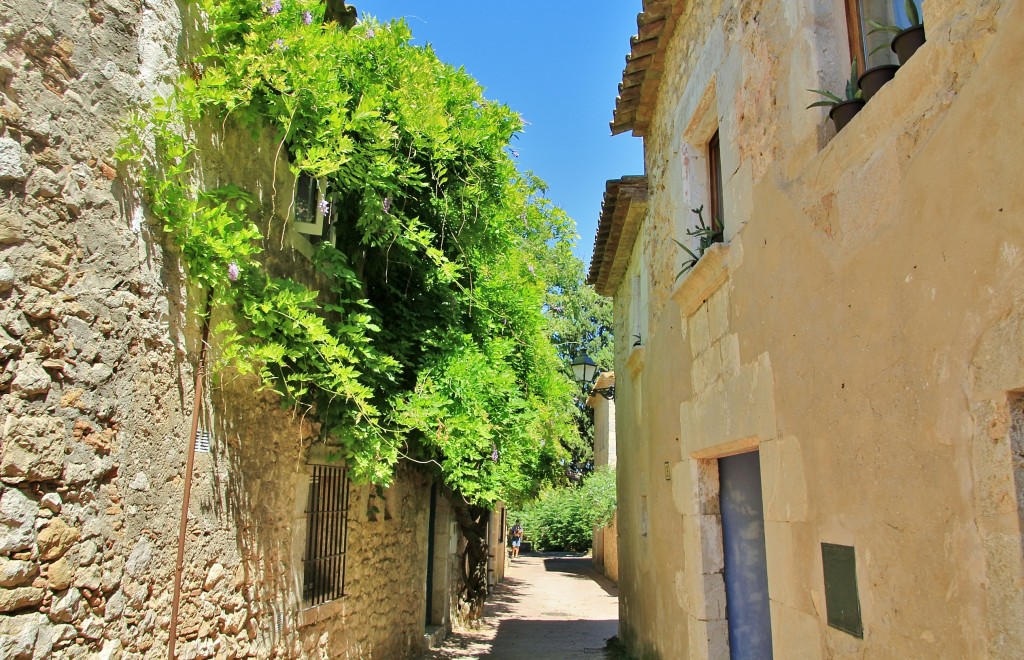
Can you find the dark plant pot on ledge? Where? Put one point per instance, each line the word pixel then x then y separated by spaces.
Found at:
pixel 872 80
pixel 842 113
pixel 906 43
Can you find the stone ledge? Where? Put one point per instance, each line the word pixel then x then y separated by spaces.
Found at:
pixel 311 615
pixel 703 279
pixel 433 636
pixel 635 361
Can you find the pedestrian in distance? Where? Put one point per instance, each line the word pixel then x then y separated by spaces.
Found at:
pixel 516 534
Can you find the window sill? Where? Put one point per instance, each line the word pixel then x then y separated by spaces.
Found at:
pixel 706 277
pixel 635 361
pixel 318 613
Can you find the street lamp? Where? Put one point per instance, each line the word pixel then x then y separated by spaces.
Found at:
pixel 585 370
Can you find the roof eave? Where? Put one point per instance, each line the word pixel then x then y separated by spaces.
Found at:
pixel 622 212
pixel 645 63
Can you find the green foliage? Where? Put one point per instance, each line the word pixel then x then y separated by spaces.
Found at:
pixel 706 237
pixel 913 16
pixel 852 91
pixel 426 334
pixel 579 319
pixel 564 518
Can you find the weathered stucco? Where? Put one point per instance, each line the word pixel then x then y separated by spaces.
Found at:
pixel 605 537
pixel 862 327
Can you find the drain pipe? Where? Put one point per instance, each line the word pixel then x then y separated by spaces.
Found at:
pixel 179 564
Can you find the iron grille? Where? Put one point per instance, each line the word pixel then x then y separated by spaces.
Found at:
pixel 202 442
pixel 326 535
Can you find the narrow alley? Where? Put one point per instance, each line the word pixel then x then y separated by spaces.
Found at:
pixel 550 605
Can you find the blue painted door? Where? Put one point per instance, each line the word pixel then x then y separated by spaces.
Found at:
pixel 746 568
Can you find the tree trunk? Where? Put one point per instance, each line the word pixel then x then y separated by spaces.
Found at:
pixel 473 525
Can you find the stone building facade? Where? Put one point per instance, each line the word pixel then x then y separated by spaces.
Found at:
pixel 838 382
pixel 98 346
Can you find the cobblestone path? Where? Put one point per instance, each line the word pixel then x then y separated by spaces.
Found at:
pixel 550 607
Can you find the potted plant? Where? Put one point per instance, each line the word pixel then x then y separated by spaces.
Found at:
pixel 706 237
pixel 874 78
pixel 905 41
pixel 843 109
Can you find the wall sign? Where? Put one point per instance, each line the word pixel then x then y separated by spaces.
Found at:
pixel 841 600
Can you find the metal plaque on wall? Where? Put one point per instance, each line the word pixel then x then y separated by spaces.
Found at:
pixel 841 600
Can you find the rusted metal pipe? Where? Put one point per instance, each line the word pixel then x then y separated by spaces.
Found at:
pixel 180 563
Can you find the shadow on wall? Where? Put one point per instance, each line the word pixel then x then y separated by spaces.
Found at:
pixel 257 456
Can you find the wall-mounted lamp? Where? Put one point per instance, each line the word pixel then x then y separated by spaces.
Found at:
pixel 585 370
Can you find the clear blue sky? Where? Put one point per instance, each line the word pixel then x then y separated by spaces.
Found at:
pixel 558 64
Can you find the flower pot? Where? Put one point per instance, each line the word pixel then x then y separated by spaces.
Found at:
pixel 906 43
pixel 872 80
pixel 842 113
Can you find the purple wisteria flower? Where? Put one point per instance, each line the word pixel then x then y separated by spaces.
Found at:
pixel 387 205
pixel 370 34
pixel 307 17
pixel 494 453
pixel 274 8
pixel 233 271
pixel 325 207
pixel 279 44
pixel 531 270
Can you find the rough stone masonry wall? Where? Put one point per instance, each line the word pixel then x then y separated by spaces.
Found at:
pixel 97 343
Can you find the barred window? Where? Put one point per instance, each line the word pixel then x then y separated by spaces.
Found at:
pixel 326 535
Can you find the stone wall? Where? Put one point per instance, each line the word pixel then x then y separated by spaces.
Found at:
pixel 98 342
pixel 861 328
pixel 606 549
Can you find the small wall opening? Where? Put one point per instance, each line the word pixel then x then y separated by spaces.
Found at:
pixel 1016 404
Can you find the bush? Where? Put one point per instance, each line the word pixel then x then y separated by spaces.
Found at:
pixel 564 518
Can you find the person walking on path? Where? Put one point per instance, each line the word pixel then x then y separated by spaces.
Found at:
pixel 517 538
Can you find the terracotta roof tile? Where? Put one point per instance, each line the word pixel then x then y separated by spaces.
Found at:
pixel 644 65
pixel 622 212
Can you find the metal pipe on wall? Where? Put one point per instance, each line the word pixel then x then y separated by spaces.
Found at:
pixel 189 463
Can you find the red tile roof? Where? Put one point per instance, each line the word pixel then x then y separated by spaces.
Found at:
pixel 644 65
pixel 622 213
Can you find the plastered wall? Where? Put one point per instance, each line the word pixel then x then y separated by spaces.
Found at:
pixel 860 328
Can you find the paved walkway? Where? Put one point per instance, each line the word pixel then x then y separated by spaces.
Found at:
pixel 551 606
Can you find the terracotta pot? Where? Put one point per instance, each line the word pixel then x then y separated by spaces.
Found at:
pixel 872 80
pixel 906 43
pixel 842 113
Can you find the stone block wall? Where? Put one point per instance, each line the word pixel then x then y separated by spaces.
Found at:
pixel 860 328
pixel 98 340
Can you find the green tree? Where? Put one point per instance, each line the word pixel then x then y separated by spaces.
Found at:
pixel 429 338
pixel 579 320
pixel 563 518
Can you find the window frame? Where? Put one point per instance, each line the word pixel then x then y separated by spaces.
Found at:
pixel 326 538
pixel 858 38
pixel 716 189
pixel 855 33
pixel 314 228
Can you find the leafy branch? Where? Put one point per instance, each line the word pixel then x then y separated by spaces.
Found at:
pixel 706 237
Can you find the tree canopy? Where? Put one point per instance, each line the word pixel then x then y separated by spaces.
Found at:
pixel 451 296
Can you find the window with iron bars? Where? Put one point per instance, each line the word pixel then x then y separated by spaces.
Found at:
pixel 326 535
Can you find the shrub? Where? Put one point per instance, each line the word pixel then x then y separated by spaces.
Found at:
pixel 564 518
